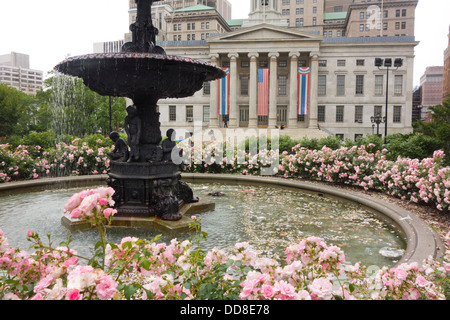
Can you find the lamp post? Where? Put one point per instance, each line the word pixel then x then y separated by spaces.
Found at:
pixel 388 64
pixel 378 119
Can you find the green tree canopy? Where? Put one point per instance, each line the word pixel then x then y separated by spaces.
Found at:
pixel 15 111
pixel 79 111
pixel 439 127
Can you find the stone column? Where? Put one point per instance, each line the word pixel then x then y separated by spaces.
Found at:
pixel 273 89
pixel 214 97
pixel 313 91
pixel 253 90
pixel 233 90
pixel 293 90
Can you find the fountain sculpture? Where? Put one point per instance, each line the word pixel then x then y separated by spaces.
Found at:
pixel 146 181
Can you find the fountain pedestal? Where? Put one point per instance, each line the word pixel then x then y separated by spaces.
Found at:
pixel 148 189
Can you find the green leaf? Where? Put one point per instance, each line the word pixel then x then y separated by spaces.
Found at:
pixel 146 264
pixel 187 285
pixel 129 291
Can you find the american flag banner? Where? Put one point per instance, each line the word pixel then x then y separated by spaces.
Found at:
pixel 224 93
pixel 263 92
pixel 303 90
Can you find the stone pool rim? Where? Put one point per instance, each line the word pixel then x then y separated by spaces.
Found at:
pixel 421 240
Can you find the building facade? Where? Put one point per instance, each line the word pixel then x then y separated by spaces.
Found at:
pixel 431 83
pixel 15 72
pixel 446 72
pixel 345 88
pixel 351 18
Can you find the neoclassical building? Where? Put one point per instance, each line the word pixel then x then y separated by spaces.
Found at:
pixel 343 87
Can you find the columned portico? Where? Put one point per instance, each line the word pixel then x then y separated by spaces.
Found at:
pixel 277 49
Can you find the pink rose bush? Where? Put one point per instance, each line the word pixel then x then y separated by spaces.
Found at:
pixel 77 158
pixel 426 181
pixel 144 269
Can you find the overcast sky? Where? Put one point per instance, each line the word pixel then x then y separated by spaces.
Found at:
pixel 49 30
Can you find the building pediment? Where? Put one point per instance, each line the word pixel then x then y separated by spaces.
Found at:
pixel 265 33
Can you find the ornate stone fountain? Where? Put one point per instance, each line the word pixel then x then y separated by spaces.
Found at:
pixel 146 181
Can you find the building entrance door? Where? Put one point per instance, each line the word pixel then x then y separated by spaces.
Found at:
pixel 281 115
pixel 243 116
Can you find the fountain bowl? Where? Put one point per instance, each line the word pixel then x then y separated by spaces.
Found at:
pixel 140 74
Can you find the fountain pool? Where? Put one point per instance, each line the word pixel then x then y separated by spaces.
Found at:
pixel 268 217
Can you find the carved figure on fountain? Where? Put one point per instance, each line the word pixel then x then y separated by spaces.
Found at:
pixel 120 152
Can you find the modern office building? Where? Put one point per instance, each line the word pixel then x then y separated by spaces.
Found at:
pixel 15 72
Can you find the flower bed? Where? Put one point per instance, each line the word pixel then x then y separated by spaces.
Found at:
pixel 145 269
pixel 77 158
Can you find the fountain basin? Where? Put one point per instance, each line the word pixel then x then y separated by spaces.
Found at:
pixel 136 74
pixel 421 240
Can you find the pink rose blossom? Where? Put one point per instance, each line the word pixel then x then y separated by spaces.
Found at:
pixel 75 213
pixel 73 294
pixel 107 287
pixel 268 291
pixel 322 288
pixel 108 212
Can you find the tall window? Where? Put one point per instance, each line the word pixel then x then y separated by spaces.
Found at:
pixel 358 114
pixel 207 88
pixel 397 118
pixel 340 85
pixel 378 111
pixel 398 85
pixel 359 84
pixel 206 114
pixel 244 85
pixel 322 90
pixel 378 85
pixel 189 113
pixel 321 113
pixel 172 113
pixel 339 113
pixel 282 84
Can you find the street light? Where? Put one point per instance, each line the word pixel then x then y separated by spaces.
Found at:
pixel 387 64
pixel 378 119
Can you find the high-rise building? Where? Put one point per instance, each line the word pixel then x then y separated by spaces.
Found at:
pixel 446 73
pixel 15 72
pixel 431 83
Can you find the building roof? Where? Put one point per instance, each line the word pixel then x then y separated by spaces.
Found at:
pixel 335 15
pixel 235 22
pixel 198 7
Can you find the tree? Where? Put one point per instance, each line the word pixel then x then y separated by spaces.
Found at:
pixel 15 115
pixel 77 110
pixel 439 127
